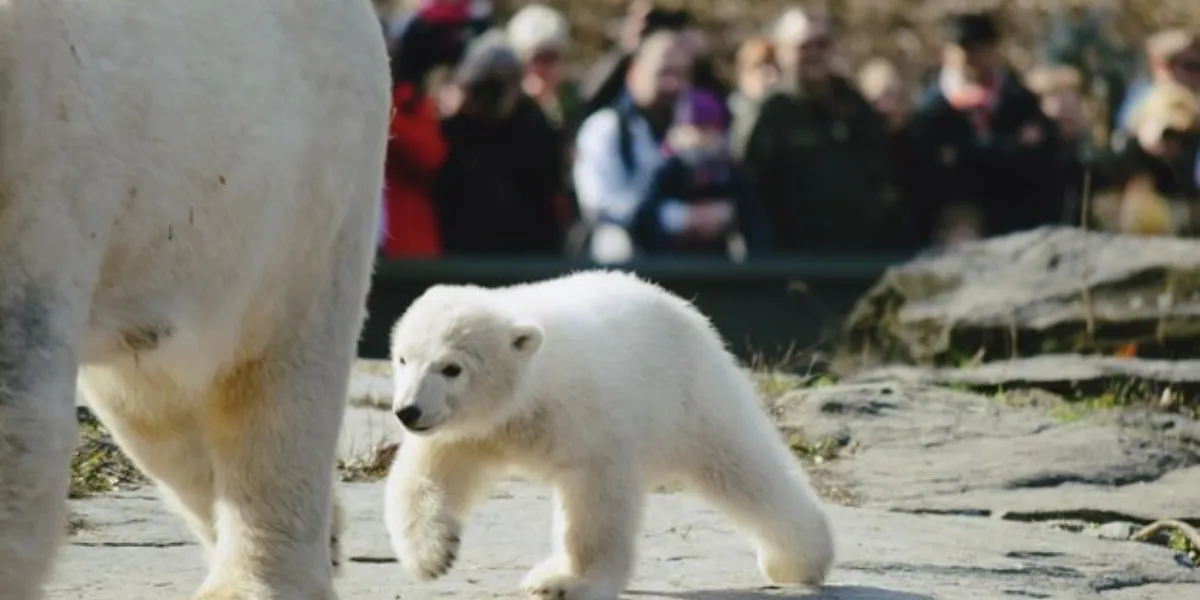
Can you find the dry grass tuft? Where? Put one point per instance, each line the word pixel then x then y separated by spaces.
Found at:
pixel 98 465
pixel 371 466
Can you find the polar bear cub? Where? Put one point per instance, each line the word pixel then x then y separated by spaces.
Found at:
pixel 599 384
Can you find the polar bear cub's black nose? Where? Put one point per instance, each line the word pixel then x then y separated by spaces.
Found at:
pixel 409 415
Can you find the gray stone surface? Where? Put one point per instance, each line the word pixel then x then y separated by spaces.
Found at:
pixel 1068 374
pixel 912 454
pixel 1037 291
pixel 137 551
pixel 371 385
pixel 923 448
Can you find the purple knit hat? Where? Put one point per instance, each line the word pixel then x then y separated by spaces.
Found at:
pixel 700 108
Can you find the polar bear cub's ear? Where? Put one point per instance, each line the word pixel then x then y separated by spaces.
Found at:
pixel 526 338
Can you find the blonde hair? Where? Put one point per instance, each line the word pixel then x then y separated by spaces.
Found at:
pixel 537 27
pixel 876 76
pixel 1170 104
pixel 1165 44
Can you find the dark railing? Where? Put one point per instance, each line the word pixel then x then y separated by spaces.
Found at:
pixel 765 308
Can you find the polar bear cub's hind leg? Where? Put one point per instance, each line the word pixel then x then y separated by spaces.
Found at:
pixel 744 469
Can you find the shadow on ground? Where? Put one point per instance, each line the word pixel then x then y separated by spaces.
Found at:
pixel 838 592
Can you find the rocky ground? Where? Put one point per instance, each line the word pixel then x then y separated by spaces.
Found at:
pixel 937 494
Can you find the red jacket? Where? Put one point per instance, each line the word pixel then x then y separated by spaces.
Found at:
pixel 415 151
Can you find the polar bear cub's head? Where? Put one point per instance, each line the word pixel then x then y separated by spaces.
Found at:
pixel 459 359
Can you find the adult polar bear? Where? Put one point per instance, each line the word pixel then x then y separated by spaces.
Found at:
pixel 597 383
pixel 187 215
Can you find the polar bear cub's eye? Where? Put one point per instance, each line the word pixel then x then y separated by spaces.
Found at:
pixel 400 361
pixel 451 370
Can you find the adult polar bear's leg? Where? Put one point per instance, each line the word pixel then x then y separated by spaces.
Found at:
pixel 168 445
pixel 165 444
pixel 272 428
pixel 37 429
pixel 203 196
pixel 45 274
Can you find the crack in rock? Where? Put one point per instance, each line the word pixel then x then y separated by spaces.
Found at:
pixel 1050 480
pixel 1112 581
pixel 132 544
pixel 965 572
pixel 1032 554
pixel 373 560
pixel 952 512
pixel 1087 515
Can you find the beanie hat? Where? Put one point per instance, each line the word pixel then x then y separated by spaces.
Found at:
pixel 700 108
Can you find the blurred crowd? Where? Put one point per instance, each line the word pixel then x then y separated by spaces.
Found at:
pixel 494 151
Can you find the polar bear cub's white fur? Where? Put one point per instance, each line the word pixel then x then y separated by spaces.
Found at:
pixel 188 206
pixel 599 384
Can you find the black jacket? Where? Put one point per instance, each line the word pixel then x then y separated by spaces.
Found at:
pixel 1014 185
pixel 499 190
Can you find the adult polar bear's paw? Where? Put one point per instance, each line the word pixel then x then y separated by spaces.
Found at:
pixel 552 580
pixel 429 547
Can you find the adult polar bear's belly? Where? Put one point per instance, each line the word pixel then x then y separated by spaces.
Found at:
pixel 197 131
pixel 188 204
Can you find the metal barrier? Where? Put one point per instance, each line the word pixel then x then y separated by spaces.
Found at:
pixel 765 308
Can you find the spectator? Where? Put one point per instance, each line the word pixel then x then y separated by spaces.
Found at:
pixel 817 152
pixel 415 151
pixel 391 18
pixel 499 189
pixel 699 202
pixel 540 36
pixel 618 148
pixel 1082 37
pixel 1172 55
pixel 1153 171
pixel 757 73
pixel 880 83
pixel 604 83
pixel 980 142
pixel 435 35
pixel 1060 91
pixel 704 69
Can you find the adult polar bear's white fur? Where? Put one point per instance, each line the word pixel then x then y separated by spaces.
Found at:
pixel 188 207
pixel 600 384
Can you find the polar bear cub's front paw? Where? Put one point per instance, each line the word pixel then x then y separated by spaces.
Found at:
pixel 429 547
pixel 552 580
